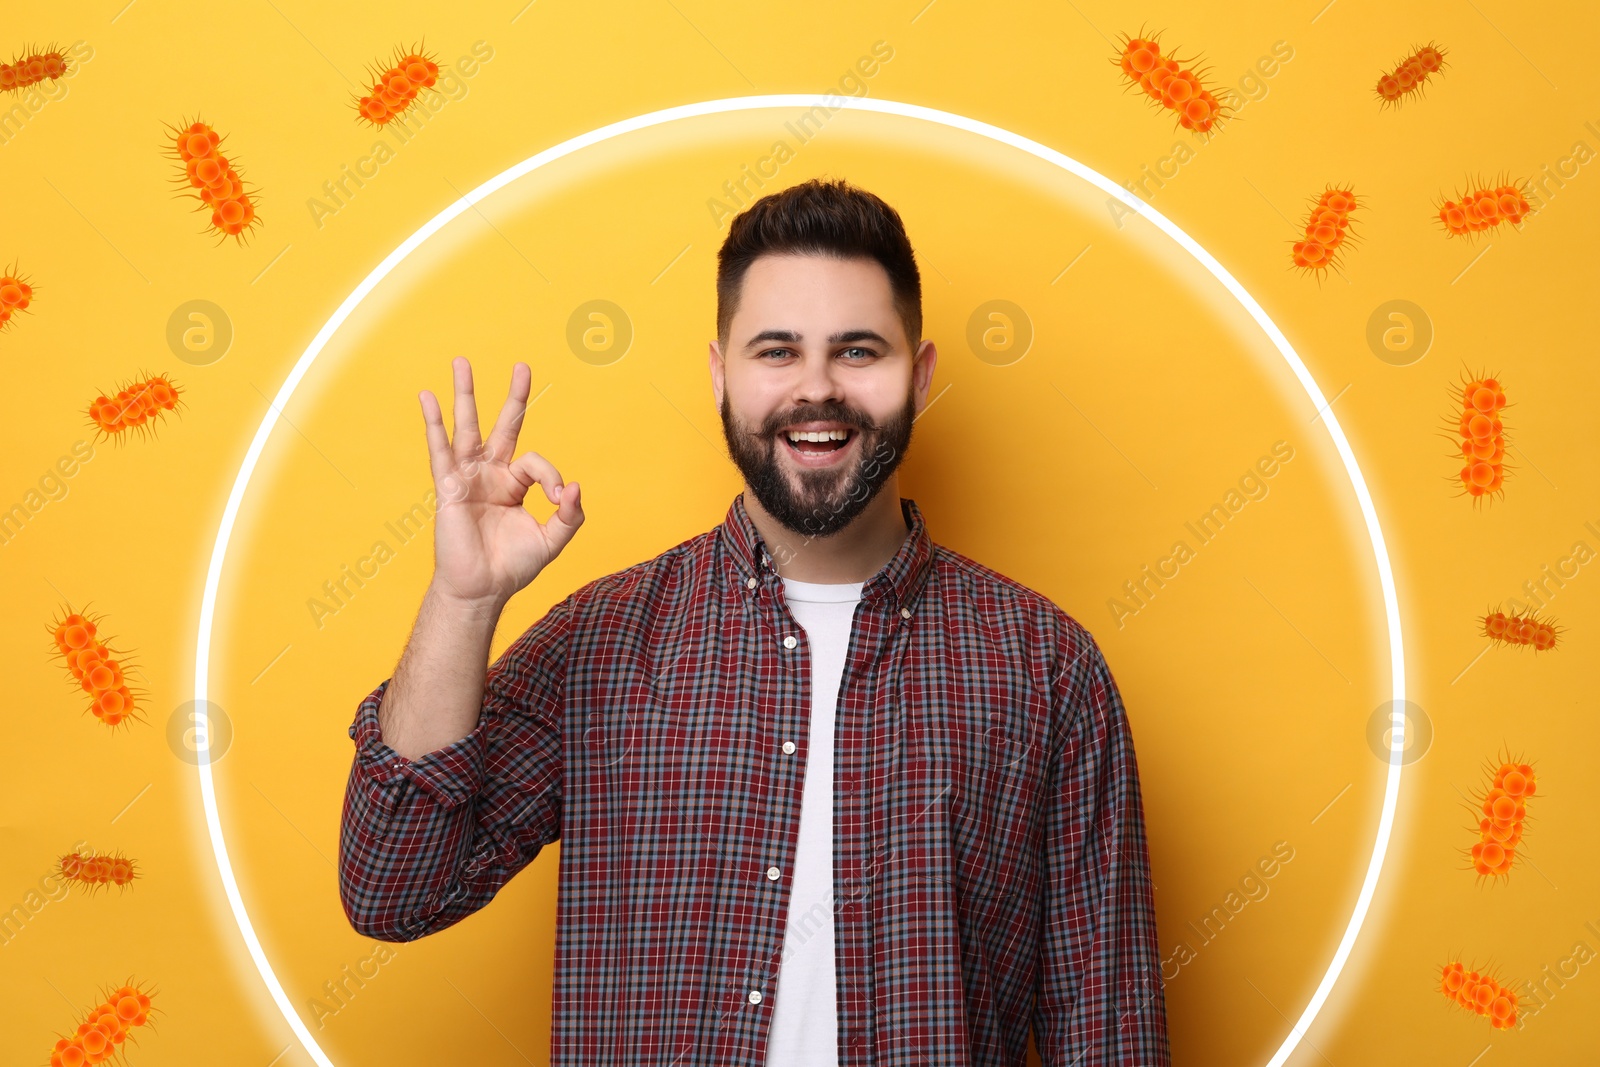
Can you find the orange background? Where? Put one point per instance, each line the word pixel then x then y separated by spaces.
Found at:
pixel 1144 396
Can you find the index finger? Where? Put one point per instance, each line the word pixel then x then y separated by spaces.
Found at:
pixel 503 438
pixel 440 458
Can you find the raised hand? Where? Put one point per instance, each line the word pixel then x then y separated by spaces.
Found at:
pixel 486 545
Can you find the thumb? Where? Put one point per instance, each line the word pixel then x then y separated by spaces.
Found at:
pixel 560 527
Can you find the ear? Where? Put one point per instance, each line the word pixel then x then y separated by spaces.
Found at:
pixel 922 371
pixel 714 358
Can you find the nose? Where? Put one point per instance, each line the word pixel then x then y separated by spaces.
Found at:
pixel 818 381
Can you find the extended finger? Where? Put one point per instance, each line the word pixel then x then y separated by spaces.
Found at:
pixel 503 438
pixel 467 439
pixel 440 461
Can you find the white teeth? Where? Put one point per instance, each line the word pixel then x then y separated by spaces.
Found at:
pixel 821 435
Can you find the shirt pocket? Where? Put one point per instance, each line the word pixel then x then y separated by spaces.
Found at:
pixel 603 725
pixel 925 841
pixel 967 828
pixel 664 726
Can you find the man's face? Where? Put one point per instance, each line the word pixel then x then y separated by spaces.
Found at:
pixel 816 345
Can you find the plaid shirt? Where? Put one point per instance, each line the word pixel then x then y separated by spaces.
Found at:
pixel 990 866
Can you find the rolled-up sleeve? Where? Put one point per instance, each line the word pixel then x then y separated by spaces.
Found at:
pixel 426 842
pixel 1100 1001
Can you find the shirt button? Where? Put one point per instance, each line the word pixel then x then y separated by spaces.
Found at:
pixel 750 583
pixel 789 642
pixel 772 874
pixel 905 613
pixel 754 997
pixel 788 748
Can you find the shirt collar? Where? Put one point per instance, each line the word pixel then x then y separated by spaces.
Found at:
pixel 901 579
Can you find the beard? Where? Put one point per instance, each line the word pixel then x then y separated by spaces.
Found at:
pixel 818 502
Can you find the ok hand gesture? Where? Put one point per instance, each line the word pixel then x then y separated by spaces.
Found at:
pixel 486 546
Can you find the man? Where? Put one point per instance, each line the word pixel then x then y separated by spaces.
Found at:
pixel 827 792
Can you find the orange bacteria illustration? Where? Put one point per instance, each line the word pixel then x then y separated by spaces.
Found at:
pixel 1521 628
pixel 97 869
pixel 1327 231
pixel 1483 207
pixel 107 1029
pixel 1170 82
pixel 1409 75
pixel 138 405
pixel 395 89
pixel 1480 433
pixel 1502 810
pixel 33 68
pixel 15 295
pixel 221 189
pixel 99 669
pixel 1480 994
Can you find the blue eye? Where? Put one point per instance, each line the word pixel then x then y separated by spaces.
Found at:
pixel 865 353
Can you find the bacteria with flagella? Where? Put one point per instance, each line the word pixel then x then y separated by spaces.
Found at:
pixel 33 68
pixel 1502 809
pixel 1524 628
pixel 1409 75
pixel 95 870
pixel 137 406
pixel 1484 206
pixel 100 670
pixel 1328 231
pixel 1172 83
pixel 15 295
pixel 1479 993
pixel 395 89
pixel 104 1035
pixel 1480 433
pixel 221 189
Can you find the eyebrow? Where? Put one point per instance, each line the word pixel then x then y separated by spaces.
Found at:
pixel 843 336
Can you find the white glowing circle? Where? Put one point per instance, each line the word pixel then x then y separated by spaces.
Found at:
pixel 230 513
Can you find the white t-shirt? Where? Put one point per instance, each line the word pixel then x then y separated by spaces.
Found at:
pixel 804 1030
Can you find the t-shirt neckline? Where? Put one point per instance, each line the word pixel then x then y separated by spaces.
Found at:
pixel 823 592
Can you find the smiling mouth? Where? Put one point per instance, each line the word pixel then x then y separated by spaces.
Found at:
pixel 816 448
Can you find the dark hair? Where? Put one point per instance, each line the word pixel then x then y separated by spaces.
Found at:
pixel 821 218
